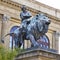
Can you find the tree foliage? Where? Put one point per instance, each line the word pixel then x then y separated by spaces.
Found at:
pixel 7 54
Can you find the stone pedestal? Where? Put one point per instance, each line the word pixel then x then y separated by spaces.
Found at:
pixel 38 54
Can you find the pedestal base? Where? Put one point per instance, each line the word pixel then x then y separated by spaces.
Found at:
pixel 38 54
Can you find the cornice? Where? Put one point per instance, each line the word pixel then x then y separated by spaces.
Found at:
pixel 39 3
pixel 10 4
pixel 38 52
pixel 17 6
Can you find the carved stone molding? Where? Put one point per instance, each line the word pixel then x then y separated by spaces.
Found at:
pixel 16 5
pixel 29 54
pixel 54 13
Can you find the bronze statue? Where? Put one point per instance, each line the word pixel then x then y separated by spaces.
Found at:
pixel 24 15
pixel 33 30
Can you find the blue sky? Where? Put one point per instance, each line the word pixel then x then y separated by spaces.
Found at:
pixel 53 3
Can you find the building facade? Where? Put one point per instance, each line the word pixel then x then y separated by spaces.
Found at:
pixel 12 9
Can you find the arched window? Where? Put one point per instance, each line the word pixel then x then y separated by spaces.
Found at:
pixel 12 43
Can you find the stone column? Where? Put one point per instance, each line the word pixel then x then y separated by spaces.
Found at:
pixel 5 30
pixel 0 27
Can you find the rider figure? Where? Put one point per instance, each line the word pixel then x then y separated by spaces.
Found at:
pixel 24 15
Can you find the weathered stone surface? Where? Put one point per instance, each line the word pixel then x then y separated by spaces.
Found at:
pixel 38 54
pixel 0 26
